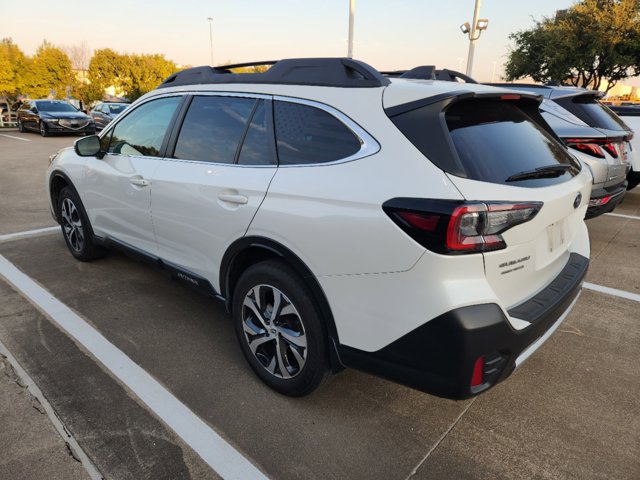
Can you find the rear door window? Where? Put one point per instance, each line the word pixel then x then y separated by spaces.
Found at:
pixel 309 135
pixel 213 128
pixel 495 140
pixel 257 147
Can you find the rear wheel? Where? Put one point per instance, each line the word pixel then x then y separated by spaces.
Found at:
pixel 280 329
pixel 76 228
pixel 633 179
pixel 44 131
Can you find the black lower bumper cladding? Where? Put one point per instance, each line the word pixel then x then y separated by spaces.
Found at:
pixel 439 356
pixel 616 194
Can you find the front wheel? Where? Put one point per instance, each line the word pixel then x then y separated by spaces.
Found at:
pixel 43 129
pixel 20 126
pixel 280 329
pixel 76 228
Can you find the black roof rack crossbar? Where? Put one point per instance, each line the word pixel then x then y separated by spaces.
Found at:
pixel 325 72
pixel 246 64
pixel 392 73
pixel 423 72
pixel 429 72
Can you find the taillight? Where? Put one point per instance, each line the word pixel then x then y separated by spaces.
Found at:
pixel 458 227
pixel 593 146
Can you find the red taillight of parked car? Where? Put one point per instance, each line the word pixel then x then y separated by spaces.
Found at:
pixel 459 227
pixel 595 147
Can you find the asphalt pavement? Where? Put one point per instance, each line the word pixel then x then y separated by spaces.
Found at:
pixel 569 412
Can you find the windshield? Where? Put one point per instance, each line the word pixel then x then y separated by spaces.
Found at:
pixel 117 108
pixel 52 106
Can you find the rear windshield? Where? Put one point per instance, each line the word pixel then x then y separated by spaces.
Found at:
pixel 592 112
pixel 497 140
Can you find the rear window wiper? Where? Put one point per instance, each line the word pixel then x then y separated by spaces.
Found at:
pixel 548 171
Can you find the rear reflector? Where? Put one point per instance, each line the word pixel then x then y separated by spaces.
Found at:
pixel 476 377
pixel 598 202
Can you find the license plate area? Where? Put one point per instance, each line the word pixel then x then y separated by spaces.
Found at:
pixel 556 235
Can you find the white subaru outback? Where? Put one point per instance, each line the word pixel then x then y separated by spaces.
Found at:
pixel 427 232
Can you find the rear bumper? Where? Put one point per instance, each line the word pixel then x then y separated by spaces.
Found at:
pixel 612 195
pixel 439 356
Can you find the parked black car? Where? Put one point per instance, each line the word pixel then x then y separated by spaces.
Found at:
pixel 103 113
pixel 53 116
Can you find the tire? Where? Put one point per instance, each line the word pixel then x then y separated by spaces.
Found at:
pixel 288 351
pixel 76 229
pixel 21 127
pixel 633 180
pixel 43 129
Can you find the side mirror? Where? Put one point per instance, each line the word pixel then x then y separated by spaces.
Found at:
pixel 88 146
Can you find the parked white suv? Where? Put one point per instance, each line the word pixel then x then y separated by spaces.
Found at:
pixel 427 232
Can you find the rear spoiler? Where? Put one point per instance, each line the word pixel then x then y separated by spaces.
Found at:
pixel 459 95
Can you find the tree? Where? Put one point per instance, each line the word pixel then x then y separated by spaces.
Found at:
pixel 589 43
pixel 145 73
pixel 108 69
pixel 80 55
pixel 12 68
pixel 48 72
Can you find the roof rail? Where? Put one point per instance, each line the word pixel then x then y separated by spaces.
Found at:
pixel 325 72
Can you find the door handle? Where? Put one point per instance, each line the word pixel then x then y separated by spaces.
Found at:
pixel 139 181
pixel 233 198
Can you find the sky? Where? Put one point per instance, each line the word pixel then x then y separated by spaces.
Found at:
pixel 388 34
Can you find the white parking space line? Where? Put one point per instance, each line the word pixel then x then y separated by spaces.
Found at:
pixel 612 291
pixel 28 233
pixel 214 450
pixel 630 217
pixel 15 138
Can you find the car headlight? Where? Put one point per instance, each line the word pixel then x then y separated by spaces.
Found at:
pixel 50 120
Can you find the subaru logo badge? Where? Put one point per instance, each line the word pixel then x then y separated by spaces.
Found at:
pixel 577 201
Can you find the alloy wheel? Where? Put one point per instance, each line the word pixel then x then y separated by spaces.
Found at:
pixel 72 225
pixel 274 331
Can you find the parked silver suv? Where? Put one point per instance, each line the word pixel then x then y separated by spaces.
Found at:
pixel 594 133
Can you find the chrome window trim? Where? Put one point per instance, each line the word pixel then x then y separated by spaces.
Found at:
pixel 368 145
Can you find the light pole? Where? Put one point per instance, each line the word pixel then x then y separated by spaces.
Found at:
pixel 211 37
pixel 473 31
pixel 352 9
